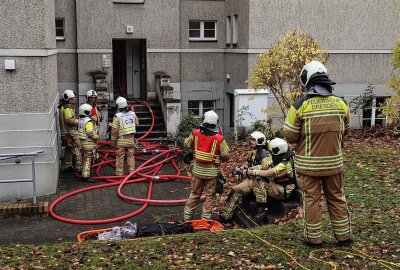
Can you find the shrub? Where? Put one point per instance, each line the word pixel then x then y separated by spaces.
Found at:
pixel 266 128
pixel 185 128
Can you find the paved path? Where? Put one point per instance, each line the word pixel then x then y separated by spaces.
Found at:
pixel 95 204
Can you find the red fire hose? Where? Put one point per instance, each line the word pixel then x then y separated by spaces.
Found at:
pixel 146 172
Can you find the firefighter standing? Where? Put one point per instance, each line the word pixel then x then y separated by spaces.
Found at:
pixel 88 137
pixel 209 149
pixel 123 136
pixel 317 124
pixel 69 133
pixel 259 159
pixel 95 115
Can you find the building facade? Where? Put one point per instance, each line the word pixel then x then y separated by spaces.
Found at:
pixel 206 48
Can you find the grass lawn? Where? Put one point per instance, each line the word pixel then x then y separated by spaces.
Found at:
pixel 372 189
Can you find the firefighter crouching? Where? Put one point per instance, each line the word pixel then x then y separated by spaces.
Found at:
pixel 278 181
pixel 259 159
pixel 88 137
pixel 69 132
pixel 123 136
pixel 209 149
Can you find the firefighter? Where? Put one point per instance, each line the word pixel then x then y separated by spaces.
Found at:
pixel 123 136
pixel 259 159
pixel 278 181
pixel 69 133
pixel 88 137
pixel 209 149
pixel 96 115
pixel 317 123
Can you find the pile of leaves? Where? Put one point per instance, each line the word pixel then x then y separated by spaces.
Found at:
pixel 372 189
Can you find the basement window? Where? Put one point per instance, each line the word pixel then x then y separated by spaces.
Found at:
pixel 372 115
pixel 199 107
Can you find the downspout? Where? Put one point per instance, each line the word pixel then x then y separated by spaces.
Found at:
pixel 76 45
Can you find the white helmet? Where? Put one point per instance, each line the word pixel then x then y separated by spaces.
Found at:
pixel 210 118
pixel 68 94
pixel 121 103
pixel 91 93
pixel 311 69
pixel 85 109
pixel 278 146
pixel 259 137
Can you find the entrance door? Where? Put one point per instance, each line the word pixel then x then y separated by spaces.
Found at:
pixel 136 68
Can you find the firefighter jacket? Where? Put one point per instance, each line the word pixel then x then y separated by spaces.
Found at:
pixel 96 115
pixel 63 128
pixel 282 170
pixel 87 132
pixel 317 125
pixel 209 151
pixel 70 123
pixel 124 123
pixel 260 159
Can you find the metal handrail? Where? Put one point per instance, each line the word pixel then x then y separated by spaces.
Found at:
pixel 33 179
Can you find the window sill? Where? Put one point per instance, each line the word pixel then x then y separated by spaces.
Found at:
pixel 203 40
pixel 128 1
pixel 60 38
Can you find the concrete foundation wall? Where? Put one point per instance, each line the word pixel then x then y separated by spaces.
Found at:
pixel 23 133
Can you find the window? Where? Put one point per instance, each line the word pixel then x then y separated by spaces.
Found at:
pixel 129 1
pixel 60 29
pixel 372 114
pixel 202 30
pixel 199 107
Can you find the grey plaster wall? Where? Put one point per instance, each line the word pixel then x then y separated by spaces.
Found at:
pixel 67 68
pixel 32 87
pixel 166 62
pixel 66 9
pixel 90 62
pixel 202 10
pixel 353 68
pixel 360 68
pixel 340 24
pixel 237 66
pixel 27 24
pixel 101 21
pixel 202 67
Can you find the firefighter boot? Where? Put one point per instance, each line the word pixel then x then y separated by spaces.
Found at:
pixel 220 219
pixel 261 211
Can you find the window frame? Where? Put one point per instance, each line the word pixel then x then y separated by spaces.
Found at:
pixel 202 38
pixel 374 111
pixel 63 28
pixel 201 107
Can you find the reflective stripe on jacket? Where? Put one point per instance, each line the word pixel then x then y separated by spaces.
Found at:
pixel 82 128
pixel 317 125
pixel 206 148
pixel 125 122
